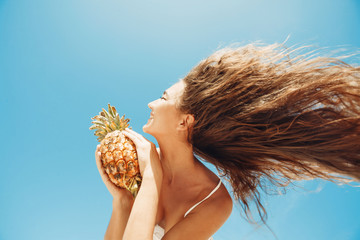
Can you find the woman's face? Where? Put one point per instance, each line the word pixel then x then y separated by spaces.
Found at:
pixel 165 117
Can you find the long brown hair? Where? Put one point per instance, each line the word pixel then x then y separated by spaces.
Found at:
pixel 265 115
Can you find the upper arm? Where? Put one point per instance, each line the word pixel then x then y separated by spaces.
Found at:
pixel 203 221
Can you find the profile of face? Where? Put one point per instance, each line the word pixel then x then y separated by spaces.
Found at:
pixel 166 119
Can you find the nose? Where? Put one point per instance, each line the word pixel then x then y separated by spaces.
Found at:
pixel 151 104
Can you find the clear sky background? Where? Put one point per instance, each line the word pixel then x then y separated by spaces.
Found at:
pixel 62 61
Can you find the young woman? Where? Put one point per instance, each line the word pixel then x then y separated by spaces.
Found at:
pixel 261 117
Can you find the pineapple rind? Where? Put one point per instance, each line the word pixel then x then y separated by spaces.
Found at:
pixel 131 180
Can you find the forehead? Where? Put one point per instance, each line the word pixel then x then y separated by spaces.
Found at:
pixel 176 89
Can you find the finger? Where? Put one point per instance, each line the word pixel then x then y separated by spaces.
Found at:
pixel 98 161
pixel 137 135
pixel 97 149
pixel 105 178
pixel 133 134
pixel 102 172
pixel 132 137
pixel 96 153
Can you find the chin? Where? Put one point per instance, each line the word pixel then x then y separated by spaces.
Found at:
pixel 147 129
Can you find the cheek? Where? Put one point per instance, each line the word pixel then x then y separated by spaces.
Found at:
pixel 169 118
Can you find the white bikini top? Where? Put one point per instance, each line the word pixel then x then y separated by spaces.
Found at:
pixel 159 232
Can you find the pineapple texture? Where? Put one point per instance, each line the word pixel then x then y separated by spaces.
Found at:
pixel 118 152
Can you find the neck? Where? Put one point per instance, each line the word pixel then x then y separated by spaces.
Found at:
pixel 177 160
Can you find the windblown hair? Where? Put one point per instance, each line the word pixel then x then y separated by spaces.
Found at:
pixel 263 116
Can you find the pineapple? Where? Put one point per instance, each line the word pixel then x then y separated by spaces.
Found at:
pixel 118 153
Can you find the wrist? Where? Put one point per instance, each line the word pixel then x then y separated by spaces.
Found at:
pixel 150 173
pixel 150 176
pixel 123 202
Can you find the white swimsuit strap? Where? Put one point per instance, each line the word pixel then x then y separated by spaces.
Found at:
pixel 216 188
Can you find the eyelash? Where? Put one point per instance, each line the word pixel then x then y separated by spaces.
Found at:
pixel 162 98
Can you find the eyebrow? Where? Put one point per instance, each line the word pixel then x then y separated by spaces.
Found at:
pixel 165 93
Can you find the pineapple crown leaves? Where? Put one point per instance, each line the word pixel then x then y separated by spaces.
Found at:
pixel 108 121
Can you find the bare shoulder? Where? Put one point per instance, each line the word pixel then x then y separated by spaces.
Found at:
pixel 220 205
pixel 205 219
pixel 222 202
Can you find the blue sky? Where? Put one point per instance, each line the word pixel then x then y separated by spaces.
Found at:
pixel 62 61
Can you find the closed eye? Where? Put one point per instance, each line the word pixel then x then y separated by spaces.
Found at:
pixel 162 98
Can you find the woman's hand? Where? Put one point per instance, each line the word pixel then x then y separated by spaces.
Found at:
pixel 148 157
pixel 117 192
